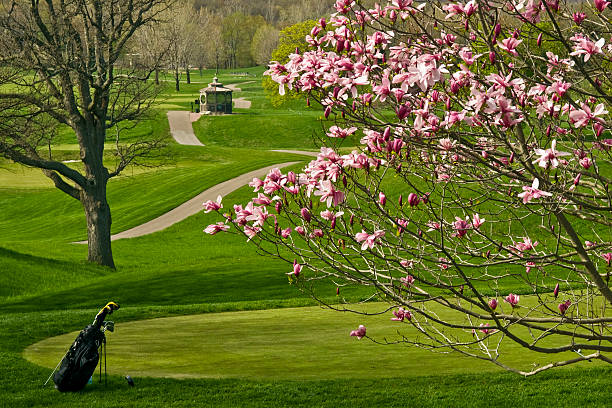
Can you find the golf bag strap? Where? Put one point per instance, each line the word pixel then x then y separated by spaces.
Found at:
pixel 106 310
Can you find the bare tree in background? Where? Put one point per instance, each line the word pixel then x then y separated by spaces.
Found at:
pixel 264 43
pixel 58 67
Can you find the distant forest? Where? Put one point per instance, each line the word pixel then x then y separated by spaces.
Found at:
pixel 278 13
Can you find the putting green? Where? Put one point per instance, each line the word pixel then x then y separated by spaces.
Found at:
pixel 298 343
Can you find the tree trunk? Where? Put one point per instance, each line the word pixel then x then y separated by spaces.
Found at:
pixel 97 213
pixel 156 76
pixel 176 79
pixel 188 75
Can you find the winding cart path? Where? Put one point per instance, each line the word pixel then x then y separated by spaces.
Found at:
pixel 240 103
pixel 182 132
pixel 194 205
pixel 181 129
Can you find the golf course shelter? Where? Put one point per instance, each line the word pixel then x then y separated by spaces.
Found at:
pixel 216 99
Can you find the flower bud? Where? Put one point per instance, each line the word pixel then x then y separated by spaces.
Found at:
pixel 382 198
pixel 386 134
pixel 327 112
pixel 492 57
pixel 413 199
pixel 306 214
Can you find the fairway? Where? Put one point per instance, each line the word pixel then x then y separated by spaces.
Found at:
pixel 296 343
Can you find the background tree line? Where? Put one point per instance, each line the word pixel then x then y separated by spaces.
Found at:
pixel 209 33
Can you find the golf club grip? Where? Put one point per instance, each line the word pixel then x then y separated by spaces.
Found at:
pixel 106 310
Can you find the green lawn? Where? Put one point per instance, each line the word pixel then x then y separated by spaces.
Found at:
pixel 239 317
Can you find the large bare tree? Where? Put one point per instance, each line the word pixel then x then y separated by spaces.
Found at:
pixel 58 68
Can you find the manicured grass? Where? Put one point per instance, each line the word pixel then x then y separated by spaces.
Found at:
pixel 298 343
pixel 46 290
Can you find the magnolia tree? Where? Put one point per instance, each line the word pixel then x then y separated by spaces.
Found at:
pixel 477 203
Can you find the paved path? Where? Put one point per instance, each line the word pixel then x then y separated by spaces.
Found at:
pixel 194 205
pixel 240 103
pixel 181 129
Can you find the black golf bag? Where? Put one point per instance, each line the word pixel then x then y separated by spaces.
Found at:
pixel 79 363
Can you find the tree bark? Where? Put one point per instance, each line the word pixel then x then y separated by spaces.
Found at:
pixel 156 76
pixel 188 74
pixel 98 216
pixel 176 79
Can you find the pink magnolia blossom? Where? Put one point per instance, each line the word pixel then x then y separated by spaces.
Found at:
pixel 528 266
pixel 444 263
pixel 383 90
pixel 493 303
pixel 285 232
pixel 213 205
pixel 529 193
pixel 214 228
pixel 300 230
pixel 526 245
pixel 262 199
pixel 329 194
pixel 548 157
pixel 446 144
pixel 578 17
pixel 512 299
pixel 601 5
pixel 382 198
pixel 401 314
pixel 251 232
pixel 453 9
pixel 467 56
pixel 461 226
pixel 369 240
pixel 433 226
pixel 556 291
pixel 608 257
pixel 564 306
pixel 477 221
pixel 297 269
pixel 317 232
pixel 586 47
pixel 341 133
pixel 509 45
pixel 360 332
pixel 586 162
pixel 582 117
pixel 256 184
pixel 329 215
pixel 407 264
pixel 305 214
pixel 413 199
pixel 484 328
pixel 407 280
